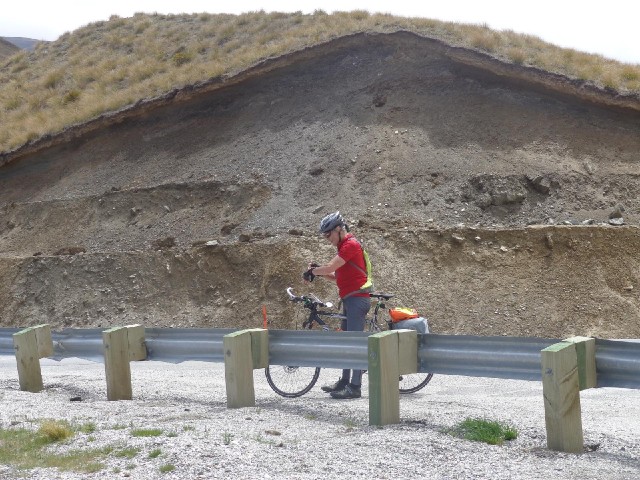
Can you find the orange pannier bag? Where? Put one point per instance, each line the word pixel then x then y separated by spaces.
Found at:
pixel 400 313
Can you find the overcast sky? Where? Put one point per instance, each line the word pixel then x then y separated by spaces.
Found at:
pixel 608 28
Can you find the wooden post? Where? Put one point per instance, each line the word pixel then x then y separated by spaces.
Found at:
pixel 407 351
pixel 560 386
pixel 116 363
pixel 25 343
pixel 45 342
pixel 259 347
pixel 137 346
pixel 384 372
pixel 586 352
pixel 244 350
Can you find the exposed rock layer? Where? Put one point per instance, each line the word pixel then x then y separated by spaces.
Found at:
pixel 468 179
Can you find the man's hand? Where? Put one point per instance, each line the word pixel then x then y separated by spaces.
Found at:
pixel 308 275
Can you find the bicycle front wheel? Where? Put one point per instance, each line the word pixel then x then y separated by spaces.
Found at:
pixel 291 382
pixel 413 382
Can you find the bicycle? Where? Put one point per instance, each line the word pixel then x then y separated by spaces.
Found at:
pixel 293 381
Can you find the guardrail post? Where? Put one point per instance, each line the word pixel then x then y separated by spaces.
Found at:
pixel 244 351
pixel 44 339
pixel 560 386
pixel 586 352
pixel 30 345
pixel 116 363
pixel 137 346
pixel 121 346
pixel 407 351
pixel 259 347
pixel 391 354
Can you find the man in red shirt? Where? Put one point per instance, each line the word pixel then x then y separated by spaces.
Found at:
pixel 349 270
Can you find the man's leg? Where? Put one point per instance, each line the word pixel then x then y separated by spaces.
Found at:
pixel 346 373
pixel 355 308
pixel 343 381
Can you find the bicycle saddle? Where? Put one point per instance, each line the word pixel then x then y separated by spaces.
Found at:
pixel 384 296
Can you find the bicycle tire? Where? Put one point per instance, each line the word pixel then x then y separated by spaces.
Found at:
pixel 413 382
pixel 291 382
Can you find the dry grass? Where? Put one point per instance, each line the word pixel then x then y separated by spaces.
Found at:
pixel 105 66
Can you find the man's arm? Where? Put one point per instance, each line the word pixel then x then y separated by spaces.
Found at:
pixel 328 270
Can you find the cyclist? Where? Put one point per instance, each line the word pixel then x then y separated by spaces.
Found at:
pixel 349 269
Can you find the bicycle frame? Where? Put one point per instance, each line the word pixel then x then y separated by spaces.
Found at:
pixel 315 316
pixel 312 303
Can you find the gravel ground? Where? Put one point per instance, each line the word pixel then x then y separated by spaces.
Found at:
pixel 315 436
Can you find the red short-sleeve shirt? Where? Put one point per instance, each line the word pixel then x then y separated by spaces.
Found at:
pixel 348 277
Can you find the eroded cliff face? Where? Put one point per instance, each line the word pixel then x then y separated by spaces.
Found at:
pixel 484 192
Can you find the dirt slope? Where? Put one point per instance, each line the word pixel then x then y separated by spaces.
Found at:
pixel 483 193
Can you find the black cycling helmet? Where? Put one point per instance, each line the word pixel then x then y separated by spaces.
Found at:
pixel 331 221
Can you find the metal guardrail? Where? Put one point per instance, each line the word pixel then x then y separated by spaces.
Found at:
pixel 319 349
pixel 618 363
pixel 6 340
pixel 497 357
pixel 518 358
pixel 80 343
pixel 172 345
pixel 177 345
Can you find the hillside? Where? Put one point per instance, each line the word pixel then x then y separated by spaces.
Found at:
pixel 483 191
pixel 7 49
pixel 106 66
pixel 23 42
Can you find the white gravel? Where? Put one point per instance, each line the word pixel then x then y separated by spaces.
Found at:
pixel 314 436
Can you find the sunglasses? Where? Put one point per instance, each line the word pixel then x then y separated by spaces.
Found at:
pixel 327 234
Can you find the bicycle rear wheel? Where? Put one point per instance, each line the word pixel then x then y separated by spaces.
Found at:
pixel 409 383
pixel 413 382
pixel 291 382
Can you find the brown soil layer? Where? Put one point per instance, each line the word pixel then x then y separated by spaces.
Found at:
pixel 483 192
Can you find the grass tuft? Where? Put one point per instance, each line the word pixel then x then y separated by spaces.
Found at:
pixel 87 428
pixel 146 432
pixel 55 431
pixel 226 438
pixel 180 58
pixel 127 452
pixel 481 430
pixel 71 96
pixel 155 453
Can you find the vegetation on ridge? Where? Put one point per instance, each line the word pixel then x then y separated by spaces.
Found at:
pixel 105 66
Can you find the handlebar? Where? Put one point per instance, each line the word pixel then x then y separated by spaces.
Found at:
pixel 311 300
